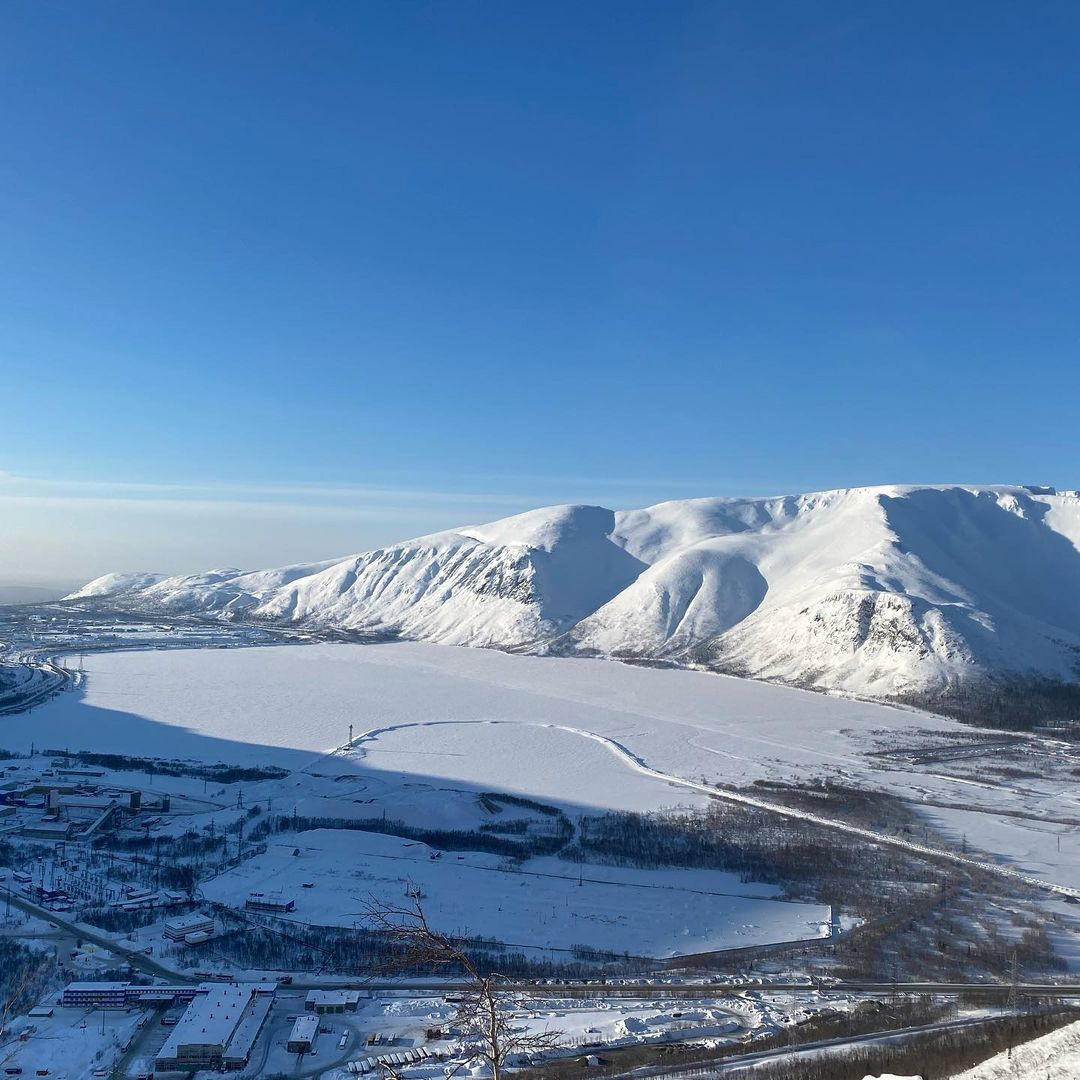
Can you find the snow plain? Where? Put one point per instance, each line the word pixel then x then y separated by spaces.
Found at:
pixel 545 905
pixel 433 728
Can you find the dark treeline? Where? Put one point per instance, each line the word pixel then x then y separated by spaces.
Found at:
pixel 878 810
pixel 189 845
pixel 219 773
pixel 117 921
pixel 24 977
pixel 1019 704
pixel 285 945
pixel 493 798
pixel 805 858
pixel 932 1055
pixel 523 847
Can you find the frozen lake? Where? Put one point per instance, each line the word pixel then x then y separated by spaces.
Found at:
pixel 516 723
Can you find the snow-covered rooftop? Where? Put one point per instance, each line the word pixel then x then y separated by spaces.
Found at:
pixel 210 1019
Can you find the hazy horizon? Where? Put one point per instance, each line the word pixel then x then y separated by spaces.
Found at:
pixel 182 529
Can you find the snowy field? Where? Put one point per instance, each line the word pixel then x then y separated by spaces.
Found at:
pixel 545 904
pixel 70 1044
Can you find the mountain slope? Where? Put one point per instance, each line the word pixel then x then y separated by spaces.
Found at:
pixel 879 591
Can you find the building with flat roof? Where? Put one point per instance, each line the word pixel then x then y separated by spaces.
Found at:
pixel 275 902
pixel 238 1052
pixel 332 1001
pixel 98 995
pixel 178 928
pixel 48 830
pixel 303 1035
pixel 218 1029
pixel 95 995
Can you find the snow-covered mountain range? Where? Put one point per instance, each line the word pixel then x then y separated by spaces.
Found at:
pixel 880 591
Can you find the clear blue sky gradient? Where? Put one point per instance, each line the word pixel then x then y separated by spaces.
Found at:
pixel 476 255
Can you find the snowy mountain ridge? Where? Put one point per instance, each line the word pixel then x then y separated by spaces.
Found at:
pixel 879 591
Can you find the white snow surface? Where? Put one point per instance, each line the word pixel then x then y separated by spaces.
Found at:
pixel 540 726
pixel 874 591
pixel 546 904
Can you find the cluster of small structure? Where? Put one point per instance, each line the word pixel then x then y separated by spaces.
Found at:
pixel 74 802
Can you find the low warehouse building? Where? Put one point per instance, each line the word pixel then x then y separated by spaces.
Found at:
pixel 49 830
pixel 303 1035
pixel 333 1001
pixel 178 928
pixel 272 902
pixel 218 1030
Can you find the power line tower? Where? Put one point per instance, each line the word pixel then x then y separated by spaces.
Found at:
pixel 1013 997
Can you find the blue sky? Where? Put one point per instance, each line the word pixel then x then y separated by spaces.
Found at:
pixel 283 281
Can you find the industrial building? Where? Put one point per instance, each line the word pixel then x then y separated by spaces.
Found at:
pixel 219 1028
pixel 274 902
pixel 120 995
pixel 182 926
pixel 47 829
pixel 97 995
pixel 332 1001
pixel 303 1035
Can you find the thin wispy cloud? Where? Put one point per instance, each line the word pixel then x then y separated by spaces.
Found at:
pixel 237 494
pixel 542 489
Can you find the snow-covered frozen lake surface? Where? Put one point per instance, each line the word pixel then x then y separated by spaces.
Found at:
pixel 292 703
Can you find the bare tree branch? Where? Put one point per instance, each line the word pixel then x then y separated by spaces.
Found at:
pixel 486 1014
